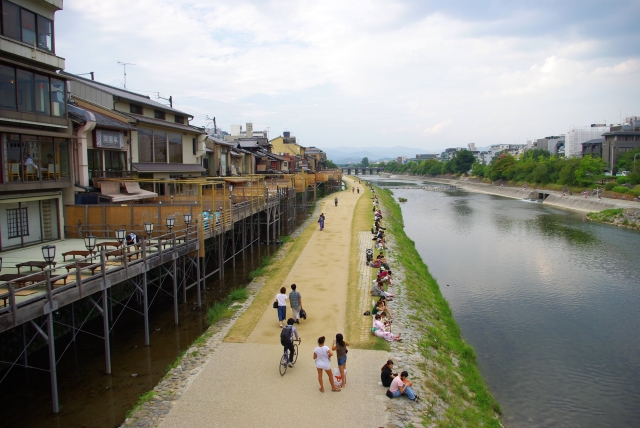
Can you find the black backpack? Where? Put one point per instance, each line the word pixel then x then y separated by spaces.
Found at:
pixel 285 335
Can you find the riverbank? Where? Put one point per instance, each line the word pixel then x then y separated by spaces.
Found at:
pixel 555 198
pixel 450 378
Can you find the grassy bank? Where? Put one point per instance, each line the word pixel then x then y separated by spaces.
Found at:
pixel 619 217
pixel 453 373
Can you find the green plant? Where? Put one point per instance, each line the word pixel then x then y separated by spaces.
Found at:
pixel 239 294
pixel 260 270
pixel 622 180
pixel 144 398
pixel 402 199
pixel 620 189
pixel 610 185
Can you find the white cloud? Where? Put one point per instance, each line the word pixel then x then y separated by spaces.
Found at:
pixel 357 70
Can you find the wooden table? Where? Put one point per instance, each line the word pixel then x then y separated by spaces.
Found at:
pixel 38 264
pixel 109 244
pixel 22 280
pixel 82 265
pixel 74 253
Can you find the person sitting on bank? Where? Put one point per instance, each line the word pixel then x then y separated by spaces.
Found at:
pixel 381 330
pixel 377 290
pixel 381 306
pixel 402 386
pixel 386 374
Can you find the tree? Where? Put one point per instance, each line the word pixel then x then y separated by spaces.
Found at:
pixel 590 170
pixel 462 161
pixel 500 165
pixel 365 161
pixel 331 164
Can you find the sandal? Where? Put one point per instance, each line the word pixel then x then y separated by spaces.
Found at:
pixel 336 390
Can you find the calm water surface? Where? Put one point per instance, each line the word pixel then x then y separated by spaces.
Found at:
pixel 548 300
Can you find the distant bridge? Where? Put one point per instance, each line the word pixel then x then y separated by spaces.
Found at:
pixel 361 170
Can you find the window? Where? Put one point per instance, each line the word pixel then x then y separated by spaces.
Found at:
pixel 114 161
pixel 145 152
pixel 175 148
pixel 193 143
pixel 135 109
pixel 179 119
pixel 159 146
pixel 28 158
pixel 58 99
pixel 18 222
pixel 43 103
pixel 10 20
pixel 158 114
pixel 95 163
pixel 25 90
pixel 26 26
pixel 7 87
pixel 28 21
pixel 45 33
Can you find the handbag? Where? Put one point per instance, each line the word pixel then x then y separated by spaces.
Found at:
pixel 303 314
pixel 275 304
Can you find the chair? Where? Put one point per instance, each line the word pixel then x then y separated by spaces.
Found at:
pixel 53 171
pixel 30 174
pixel 14 171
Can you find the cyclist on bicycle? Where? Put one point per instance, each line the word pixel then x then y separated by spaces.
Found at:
pixel 286 338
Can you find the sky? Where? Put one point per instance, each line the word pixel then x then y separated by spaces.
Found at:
pixel 369 73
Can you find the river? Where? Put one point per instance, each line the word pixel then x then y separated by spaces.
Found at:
pixel 548 299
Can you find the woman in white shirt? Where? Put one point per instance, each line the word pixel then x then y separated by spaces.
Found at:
pixel 282 305
pixel 322 354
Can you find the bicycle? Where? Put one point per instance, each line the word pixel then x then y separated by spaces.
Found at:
pixel 284 360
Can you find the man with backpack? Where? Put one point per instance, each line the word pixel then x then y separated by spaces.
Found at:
pixel 286 338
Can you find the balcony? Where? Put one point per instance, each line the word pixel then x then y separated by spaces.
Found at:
pixel 32 54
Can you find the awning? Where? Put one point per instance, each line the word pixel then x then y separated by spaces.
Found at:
pixel 112 190
pixel 236 180
pixel 236 154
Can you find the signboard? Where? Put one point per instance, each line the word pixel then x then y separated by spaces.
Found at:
pixel 109 139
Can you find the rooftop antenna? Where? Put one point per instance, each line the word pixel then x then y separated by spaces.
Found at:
pixel 170 99
pixel 124 64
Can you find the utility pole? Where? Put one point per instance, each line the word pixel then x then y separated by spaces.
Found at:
pixel 170 99
pixel 124 64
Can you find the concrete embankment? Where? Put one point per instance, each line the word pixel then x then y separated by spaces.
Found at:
pixel 550 197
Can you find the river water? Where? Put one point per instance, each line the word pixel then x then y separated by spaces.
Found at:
pixel 548 299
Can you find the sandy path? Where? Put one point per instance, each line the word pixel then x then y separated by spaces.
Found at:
pixel 240 384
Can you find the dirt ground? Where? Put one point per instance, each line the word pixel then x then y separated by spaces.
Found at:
pixel 240 384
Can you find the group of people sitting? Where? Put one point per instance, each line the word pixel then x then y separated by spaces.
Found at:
pixel 382 315
pixel 398 385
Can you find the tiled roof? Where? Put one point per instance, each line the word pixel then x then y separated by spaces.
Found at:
pixel 109 122
pixel 221 141
pixel 124 94
pixel 167 167
pixel 160 122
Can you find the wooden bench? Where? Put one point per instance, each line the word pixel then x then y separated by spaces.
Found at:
pixel 74 253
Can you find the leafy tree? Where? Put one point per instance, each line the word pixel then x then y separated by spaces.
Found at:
pixel 365 161
pixel 590 170
pixel 477 169
pixel 625 161
pixel 331 164
pixel 500 165
pixel 462 161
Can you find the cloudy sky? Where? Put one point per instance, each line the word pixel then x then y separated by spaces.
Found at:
pixel 361 73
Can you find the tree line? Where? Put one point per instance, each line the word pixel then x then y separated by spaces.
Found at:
pixel 536 166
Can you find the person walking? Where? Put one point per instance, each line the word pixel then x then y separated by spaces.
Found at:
pixel 322 356
pixel 402 385
pixel 281 298
pixel 336 201
pixel 295 301
pixel 321 221
pixel 340 346
pixel 353 190
pixel 358 190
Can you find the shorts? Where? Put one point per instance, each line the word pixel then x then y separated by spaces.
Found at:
pixel 342 361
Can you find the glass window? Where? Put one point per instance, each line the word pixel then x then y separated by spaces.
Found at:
pixel 10 20
pixel 30 157
pixel 159 146
pixel 58 100
pixel 25 90
pixel 175 148
pixel 179 119
pixel 43 102
pixel 95 163
pixel 12 158
pixel 136 109
pixel 47 160
pixel 18 222
pixel 28 21
pixel 45 33
pixel 158 114
pixel 114 160
pixel 145 152
pixel 62 158
pixel 7 87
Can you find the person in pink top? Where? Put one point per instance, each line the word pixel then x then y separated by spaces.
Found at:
pixel 402 385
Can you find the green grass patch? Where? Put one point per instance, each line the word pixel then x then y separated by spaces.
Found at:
pixel 221 310
pixel 144 398
pixel 238 295
pixel 260 270
pixel 461 386
pixel 402 199
pixel 606 216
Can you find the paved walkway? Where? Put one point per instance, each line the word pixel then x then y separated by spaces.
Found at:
pixel 240 384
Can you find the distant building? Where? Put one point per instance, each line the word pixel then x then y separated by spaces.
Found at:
pixel 427 156
pixel 550 144
pixel 593 147
pixel 576 136
pixel 472 147
pixel 620 139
